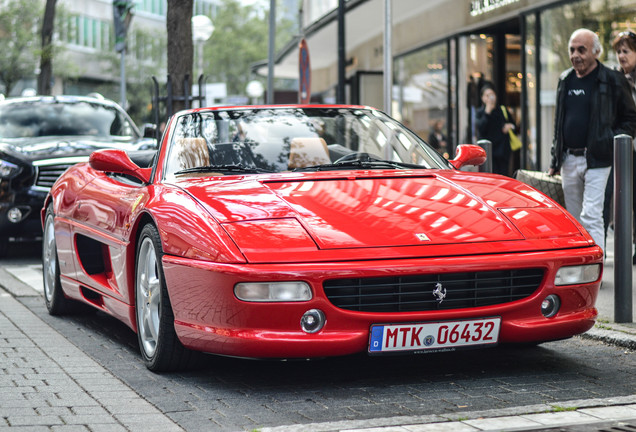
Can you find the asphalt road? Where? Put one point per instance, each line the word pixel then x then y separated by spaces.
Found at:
pixel 235 394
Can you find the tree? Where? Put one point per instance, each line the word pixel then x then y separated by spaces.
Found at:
pixel 46 57
pixel 240 39
pixel 180 49
pixel 18 49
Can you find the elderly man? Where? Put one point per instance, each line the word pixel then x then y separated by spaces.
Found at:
pixel 594 104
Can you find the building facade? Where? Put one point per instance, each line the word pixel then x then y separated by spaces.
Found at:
pixel 442 49
pixel 86 35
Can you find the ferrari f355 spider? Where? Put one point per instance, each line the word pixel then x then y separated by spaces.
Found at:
pixel 312 231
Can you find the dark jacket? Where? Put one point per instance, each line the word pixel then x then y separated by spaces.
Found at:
pixel 612 113
pixel 489 126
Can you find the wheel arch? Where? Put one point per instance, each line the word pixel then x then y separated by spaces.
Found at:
pixel 143 220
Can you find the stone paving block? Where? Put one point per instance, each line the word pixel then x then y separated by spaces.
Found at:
pixel 381 429
pixel 91 419
pixel 559 418
pixel 34 420
pixel 441 427
pixel 108 428
pixel 148 422
pixel 16 412
pixel 92 410
pixel 625 412
pixel 24 428
pixel 71 428
pixel 499 423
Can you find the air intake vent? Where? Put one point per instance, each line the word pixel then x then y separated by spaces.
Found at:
pixel 433 291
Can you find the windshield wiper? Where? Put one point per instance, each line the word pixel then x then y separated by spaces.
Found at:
pixel 226 168
pixel 363 164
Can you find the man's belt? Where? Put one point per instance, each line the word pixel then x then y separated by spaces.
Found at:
pixel 575 151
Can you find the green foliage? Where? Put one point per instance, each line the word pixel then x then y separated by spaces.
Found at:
pixel 19 41
pixel 240 39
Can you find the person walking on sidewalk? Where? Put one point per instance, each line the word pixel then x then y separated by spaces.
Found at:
pixel 493 125
pixel 593 105
pixel 624 46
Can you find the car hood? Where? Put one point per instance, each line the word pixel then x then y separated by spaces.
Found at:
pixel 387 210
pixel 51 147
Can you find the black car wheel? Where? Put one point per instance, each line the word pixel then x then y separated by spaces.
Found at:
pixel 160 348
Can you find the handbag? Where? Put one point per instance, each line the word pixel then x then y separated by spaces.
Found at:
pixel 515 142
pixel 549 185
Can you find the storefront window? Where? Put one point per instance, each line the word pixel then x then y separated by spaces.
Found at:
pixel 422 91
pixel 607 18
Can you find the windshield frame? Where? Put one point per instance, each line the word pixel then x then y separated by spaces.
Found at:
pixel 202 128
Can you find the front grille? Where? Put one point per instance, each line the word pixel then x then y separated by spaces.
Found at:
pixel 47 174
pixel 415 293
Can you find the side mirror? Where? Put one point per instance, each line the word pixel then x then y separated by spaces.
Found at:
pixel 118 162
pixel 468 154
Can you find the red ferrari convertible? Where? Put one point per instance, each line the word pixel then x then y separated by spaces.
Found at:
pixel 312 231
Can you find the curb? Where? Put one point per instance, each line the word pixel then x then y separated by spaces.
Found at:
pixel 612 334
pixel 470 421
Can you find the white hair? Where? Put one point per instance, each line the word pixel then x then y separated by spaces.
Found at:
pixel 596 42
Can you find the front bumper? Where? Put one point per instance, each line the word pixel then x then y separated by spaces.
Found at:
pixel 29 227
pixel 208 317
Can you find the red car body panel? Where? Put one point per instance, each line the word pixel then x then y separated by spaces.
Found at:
pixel 217 231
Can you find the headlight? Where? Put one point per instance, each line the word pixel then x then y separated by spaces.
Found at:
pixel 7 169
pixel 572 275
pixel 273 291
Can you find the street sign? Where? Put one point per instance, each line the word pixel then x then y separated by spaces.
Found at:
pixel 304 83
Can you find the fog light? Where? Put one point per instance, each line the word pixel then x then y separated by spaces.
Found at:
pixel 312 321
pixel 15 214
pixel 550 306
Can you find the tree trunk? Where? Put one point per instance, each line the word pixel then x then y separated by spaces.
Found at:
pixel 180 48
pixel 46 58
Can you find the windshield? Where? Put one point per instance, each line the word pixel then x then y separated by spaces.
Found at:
pixel 53 117
pixel 294 139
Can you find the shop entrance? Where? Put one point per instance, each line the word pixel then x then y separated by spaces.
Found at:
pixel 493 54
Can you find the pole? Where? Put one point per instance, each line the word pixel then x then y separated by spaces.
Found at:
pixel 200 57
pixel 122 79
pixel 388 57
pixel 623 205
pixel 487 146
pixel 270 62
pixel 340 96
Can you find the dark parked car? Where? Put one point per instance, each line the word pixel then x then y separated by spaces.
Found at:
pixel 40 137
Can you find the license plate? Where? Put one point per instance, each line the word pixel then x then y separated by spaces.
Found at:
pixel 433 336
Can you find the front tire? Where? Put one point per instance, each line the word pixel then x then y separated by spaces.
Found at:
pixel 160 348
pixel 56 301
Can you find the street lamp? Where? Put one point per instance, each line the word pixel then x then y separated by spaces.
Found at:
pixel 254 90
pixel 202 29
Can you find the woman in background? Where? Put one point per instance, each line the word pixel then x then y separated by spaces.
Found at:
pixel 493 126
pixel 624 46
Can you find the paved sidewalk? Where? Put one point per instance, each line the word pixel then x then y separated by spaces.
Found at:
pixel 48 384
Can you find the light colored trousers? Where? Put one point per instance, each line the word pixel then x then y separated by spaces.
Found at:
pixel 584 191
